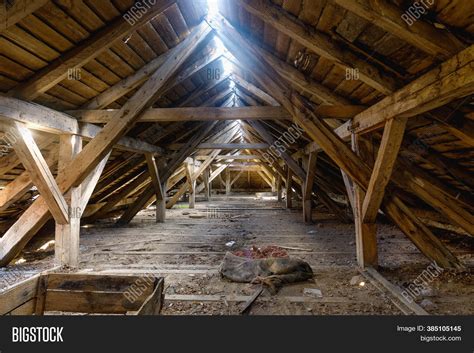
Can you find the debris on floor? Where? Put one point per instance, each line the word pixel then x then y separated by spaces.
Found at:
pixel 261 253
pixel 246 307
pixel 273 272
pixel 356 280
pixel 313 292
pixel 197 216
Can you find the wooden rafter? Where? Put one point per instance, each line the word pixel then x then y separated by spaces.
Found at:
pixel 17 11
pixel 134 81
pixel 320 43
pixel 451 80
pixel 303 82
pixel 19 234
pixel 332 144
pixel 80 55
pixel 422 35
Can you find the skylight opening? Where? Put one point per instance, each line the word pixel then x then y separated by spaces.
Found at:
pixel 212 8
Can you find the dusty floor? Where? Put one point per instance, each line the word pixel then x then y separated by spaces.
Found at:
pixel 188 248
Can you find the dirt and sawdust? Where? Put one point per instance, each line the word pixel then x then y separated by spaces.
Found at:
pixel 187 252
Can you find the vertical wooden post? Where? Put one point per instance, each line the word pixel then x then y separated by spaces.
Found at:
pixel 279 187
pixel 228 184
pixel 366 233
pixel 289 185
pixel 161 204
pixel 274 184
pixel 210 184
pixel 310 166
pixel 67 235
pixel 192 191
pixel 207 186
pixel 160 188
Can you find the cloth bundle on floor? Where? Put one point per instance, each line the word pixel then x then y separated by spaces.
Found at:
pixel 272 272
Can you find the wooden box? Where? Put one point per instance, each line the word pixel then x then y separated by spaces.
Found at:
pixel 84 293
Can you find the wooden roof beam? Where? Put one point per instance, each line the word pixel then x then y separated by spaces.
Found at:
pixel 80 55
pixel 232 157
pixel 133 81
pixel 449 81
pixel 37 214
pixel 12 14
pixel 188 114
pixel 336 149
pixel 320 43
pixel 302 81
pixel 41 118
pixel 38 169
pixel 386 158
pixel 257 92
pixel 420 34
pixel 148 195
pixel 233 146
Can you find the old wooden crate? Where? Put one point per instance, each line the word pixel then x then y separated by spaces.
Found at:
pixel 84 293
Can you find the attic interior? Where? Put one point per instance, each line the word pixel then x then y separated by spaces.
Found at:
pixel 152 138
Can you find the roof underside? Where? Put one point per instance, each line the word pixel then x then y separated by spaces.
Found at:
pixel 437 144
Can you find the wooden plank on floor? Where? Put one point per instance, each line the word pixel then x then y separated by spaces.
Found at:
pixel 394 290
pixel 245 298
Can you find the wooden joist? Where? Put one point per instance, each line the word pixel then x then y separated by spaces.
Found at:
pixel 231 157
pixel 189 171
pixel 90 183
pixel 289 188
pixel 365 231
pixel 17 188
pixel 189 114
pixel 66 245
pixel 257 92
pixel 154 175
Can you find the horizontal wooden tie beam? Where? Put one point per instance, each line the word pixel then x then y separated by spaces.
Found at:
pixel 233 146
pixel 188 114
pixel 39 117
